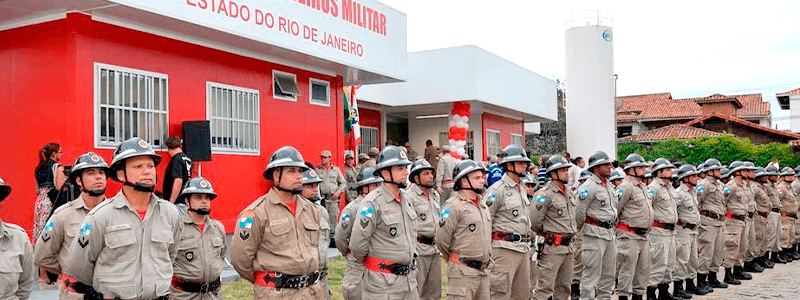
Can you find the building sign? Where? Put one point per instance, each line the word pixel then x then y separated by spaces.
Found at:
pixel 363 34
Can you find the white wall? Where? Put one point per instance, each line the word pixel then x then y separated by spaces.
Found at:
pixel 794 113
pixel 421 130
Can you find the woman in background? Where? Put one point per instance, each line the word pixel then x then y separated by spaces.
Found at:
pixel 49 180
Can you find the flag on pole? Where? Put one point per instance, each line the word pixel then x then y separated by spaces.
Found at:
pixel 352 130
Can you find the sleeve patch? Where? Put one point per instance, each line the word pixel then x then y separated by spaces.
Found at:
pixel 651 193
pixel 85 229
pixel 246 222
pixel 583 193
pixel 619 192
pixel 367 211
pixel 727 191
pixel 345 217
pixel 48 227
pixel 445 214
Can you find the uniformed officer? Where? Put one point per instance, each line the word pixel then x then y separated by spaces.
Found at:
pixel 464 235
pixel 774 219
pixel 616 178
pixel 50 253
pixel 275 244
pixel 201 249
pixel 648 176
pixel 796 189
pixel 750 264
pixel 16 255
pixel 425 200
pixel 788 176
pixel 763 210
pixel 510 208
pixel 701 172
pixel 351 176
pixel 577 265
pixel 311 182
pixel 332 186
pixel 385 238
pixel 662 235
pixel 126 244
pixel 735 237
pixel 686 238
pixel 710 234
pixel 635 220
pixel 531 186
pixel 554 218
pixel 372 160
pixel 597 214
pixel 444 174
pixel 351 281
pixel 789 212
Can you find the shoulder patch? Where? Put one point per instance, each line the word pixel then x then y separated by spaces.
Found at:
pixel 85 229
pixel 367 211
pixel 651 192
pixel 727 191
pixel 247 219
pixel 583 193
pixel 48 227
pixel 620 191
pixel 700 190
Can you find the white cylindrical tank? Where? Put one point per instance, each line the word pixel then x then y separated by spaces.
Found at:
pixel 590 89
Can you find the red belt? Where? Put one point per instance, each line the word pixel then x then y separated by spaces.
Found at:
pixel 385 266
pixel 635 230
pixel 472 263
pixel 260 280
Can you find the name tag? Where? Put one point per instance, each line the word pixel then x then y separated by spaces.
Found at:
pixel 118 227
pixel 278 222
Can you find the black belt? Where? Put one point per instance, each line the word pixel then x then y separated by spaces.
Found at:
pixel 763 213
pixel 293 281
pixel 667 226
pixel 689 226
pixel 203 288
pixel 510 236
pixel 776 209
pixel 596 222
pixel 425 240
pixel 557 239
pixel 712 215
pixel 750 214
pixel 741 217
pixel 472 263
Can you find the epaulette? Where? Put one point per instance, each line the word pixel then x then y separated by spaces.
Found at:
pixel 15 226
pixel 63 207
pixel 101 205
pixel 256 203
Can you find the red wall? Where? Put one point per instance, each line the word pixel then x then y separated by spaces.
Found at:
pixel 49 88
pixel 506 126
pixel 370 118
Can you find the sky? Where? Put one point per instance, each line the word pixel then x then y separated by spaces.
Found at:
pixel 689 48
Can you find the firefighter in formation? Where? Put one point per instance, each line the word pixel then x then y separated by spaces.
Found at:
pixel 639 228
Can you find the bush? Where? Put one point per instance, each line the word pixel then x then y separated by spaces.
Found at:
pixel 727 148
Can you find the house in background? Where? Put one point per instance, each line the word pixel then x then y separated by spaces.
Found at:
pixel 657 117
pixel 791 100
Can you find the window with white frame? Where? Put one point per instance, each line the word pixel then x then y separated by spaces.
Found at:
pixel 493 142
pixel 129 103
pixel 369 139
pixel 517 139
pixel 234 116
pixel 320 92
pixel 284 86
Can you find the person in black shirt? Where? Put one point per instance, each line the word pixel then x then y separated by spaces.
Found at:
pixel 178 171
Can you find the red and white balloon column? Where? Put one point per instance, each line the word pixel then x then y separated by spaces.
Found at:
pixel 459 126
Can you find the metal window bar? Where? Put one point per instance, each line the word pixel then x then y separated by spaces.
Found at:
pixel 129 103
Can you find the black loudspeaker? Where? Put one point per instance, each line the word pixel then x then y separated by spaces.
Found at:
pixel 197 140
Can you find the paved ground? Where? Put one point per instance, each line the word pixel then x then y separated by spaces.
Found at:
pixel 782 282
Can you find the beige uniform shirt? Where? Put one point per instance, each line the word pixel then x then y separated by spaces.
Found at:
pixel 344 228
pixel 787 197
pixel 432 155
pixel 50 252
pixel 510 209
pixel 351 177
pixel 709 196
pixel 763 203
pixel 324 236
pixel 465 229
pixel 368 163
pixel 268 237
pixel 796 186
pixel 599 201
pixel 444 170
pixel 635 209
pixel 332 180
pixel 775 200
pixel 201 255
pixel 665 206
pixel 386 229
pixel 751 196
pixel 735 197
pixel 427 209
pixel 555 212
pixel 122 256
pixel 16 263
pixel 687 205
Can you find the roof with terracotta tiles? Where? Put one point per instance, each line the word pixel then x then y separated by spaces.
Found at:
pixel 677 131
pixel 742 122
pixel 661 106
pixel 789 93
